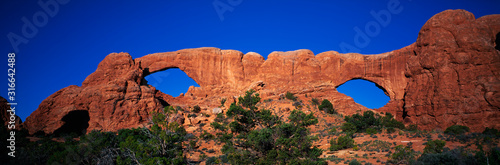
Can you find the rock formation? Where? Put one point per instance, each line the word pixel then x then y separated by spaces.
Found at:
pixel 5 116
pixel 449 76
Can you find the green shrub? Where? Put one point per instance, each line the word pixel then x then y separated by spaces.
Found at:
pixel 217 126
pixel 456 130
pixel 402 155
pixel 193 144
pixel 327 107
pixel 376 145
pixel 371 131
pixel 332 131
pixel 412 127
pixel 434 146
pixel 222 102
pixel 354 162
pixel 348 127
pixel 249 100
pixel 290 96
pixel 391 130
pixel 491 132
pixel 494 155
pixel 196 109
pixel 362 122
pixel 460 156
pixel 389 122
pixel 342 142
pixel 206 136
pixel 298 104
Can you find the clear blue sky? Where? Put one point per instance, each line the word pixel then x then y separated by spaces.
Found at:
pixel 69 44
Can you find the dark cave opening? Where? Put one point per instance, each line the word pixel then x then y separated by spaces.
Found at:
pixel 75 122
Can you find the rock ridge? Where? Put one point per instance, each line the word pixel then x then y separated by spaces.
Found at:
pixel 450 75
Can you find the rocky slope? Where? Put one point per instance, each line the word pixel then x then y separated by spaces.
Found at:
pixel 449 76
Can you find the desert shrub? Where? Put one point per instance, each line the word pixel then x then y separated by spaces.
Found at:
pixel 362 122
pixel 222 102
pixel 456 130
pixel 389 122
pixel 327 107
pixel 375 145
pixel 491 132
pixel 348 127
pixel 457 156
pixel 290 96
pixel 193 144
pixel 298 104
pixel 196 109
pixel 391 130
pixel 206 136
pixel 342 142
pixel 354 162
pixel 220 117
pixel 314 101
pixel 332 131
pixel 217 126
pixel 371 131
pixel 494 155
pixel 434 146
pixel 412 128
pixel 402 155
pixel 250 100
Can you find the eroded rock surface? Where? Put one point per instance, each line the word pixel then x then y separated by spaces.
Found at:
pixel 449 76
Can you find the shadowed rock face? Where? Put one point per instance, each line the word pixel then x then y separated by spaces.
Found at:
pixel 449 76
pixel 5 116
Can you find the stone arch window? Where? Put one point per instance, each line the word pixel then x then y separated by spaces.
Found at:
pixel 365 92
pixel 172 81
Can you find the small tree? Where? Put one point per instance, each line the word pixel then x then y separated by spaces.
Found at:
pixel 290 96
pixel 327 107
pixel 348 127
pixel 456 130
pixel 434 147
pixel 362 122
pixel 250 100
pixel 342 142
pixel 222 102
pixel 389 122
pixel 402 155
pixel 314 101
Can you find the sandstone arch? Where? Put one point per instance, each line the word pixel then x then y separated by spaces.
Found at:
pixel 450 75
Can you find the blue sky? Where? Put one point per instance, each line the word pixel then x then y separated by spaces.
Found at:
pixel 69 44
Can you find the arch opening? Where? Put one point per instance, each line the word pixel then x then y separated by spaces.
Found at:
pixel 171 81
pixel 75 122
pixel 364 92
